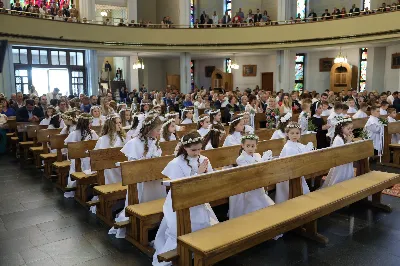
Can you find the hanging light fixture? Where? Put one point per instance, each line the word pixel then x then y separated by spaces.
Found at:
pixel 103 13
pixel 139 63
pixel 234 65
pixel 340 58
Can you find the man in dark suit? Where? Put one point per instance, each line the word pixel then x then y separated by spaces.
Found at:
pixel 257 16
pixel 203 18
pixel 229 108
pixel 107 66
pixel 312 15
pixel 326 15
pixel 226 18
pixel 29 113
pixel 355 11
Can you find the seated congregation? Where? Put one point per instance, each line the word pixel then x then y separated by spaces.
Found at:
pixel 140 168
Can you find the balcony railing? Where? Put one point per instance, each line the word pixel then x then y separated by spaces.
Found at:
pixel 121 23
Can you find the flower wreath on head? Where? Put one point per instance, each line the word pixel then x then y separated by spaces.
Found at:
pixel 68 117
pixel 150 121
pixel 250 137
pixel 124 109
pixel 171 115
pixel 218 130
pixel 294 125
pixel 146 103
pixel 235 120
pixel 86 117
pixel 168 122
pixel 189 141
pixel 95 107
pixel 341 120
pixel 214 112
pixel 244 113
pixel 286 118
pixel 202 118
pixel 112 116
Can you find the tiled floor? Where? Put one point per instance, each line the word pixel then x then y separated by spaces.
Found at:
pixel 39 227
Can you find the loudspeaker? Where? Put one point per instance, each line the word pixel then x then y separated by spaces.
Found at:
pixel 3 49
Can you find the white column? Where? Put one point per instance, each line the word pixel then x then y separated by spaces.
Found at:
pixel 133 74
pixel 185 59
pixel 376 69
pixel 92 67
pixel 184 12
pixel 284 69
pixel 7 4
pixel 7 80
pixel 132 10
pixel 284 9
pixel 87 9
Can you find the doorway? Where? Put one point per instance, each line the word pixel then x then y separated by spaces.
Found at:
pixel 267 81
pixel 46 79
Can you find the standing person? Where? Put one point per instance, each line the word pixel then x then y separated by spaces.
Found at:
pixel 82 133
pixel 343 135
pixel 257 199
pixel 272 113
pixel 188 163
pixel 375 129
pixel 53 95
pixel 321 127
pixel 143 146
pixel 292 147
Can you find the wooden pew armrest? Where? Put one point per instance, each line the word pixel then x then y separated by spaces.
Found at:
pixel 168 256
pixel 122 224
pixel 93 203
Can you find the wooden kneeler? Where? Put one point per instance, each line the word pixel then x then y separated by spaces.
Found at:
pixel 109 195
pixel 41 138
pixel 26 145
pixel 78 151
pixel 48 158
pixel 228 238
pixel 61 165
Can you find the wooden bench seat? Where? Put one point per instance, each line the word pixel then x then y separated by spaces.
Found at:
pixel 45 156
pixel 299 212
pixel 251 229
pixel 61 165
pixel 43 136
pixel 110 194
pixel 135 172
pixel 77 151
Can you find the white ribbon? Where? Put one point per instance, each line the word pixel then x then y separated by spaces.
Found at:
pixel 252 121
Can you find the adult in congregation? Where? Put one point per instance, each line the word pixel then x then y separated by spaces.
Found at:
pixel 5 108
pixel 53 95
pixel 29 113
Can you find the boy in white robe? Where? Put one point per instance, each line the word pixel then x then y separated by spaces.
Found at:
pixel 333 118
pixel 375 129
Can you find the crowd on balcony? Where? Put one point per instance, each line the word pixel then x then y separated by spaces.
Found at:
pixel 64 12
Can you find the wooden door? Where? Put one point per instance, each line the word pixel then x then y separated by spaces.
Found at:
pixel 174 82
pixel 267 81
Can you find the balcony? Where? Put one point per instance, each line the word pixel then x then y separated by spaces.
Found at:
pixel 366 28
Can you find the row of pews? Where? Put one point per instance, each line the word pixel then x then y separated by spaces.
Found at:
pixel 213 244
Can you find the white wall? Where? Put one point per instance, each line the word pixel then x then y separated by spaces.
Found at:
pixel 147 10
pixel 265 63
pixel 320 81
pixel 209 6
pixel 167 8
pixel 199 69
pixel 376 69
pixel 392 76
pixel 154 75
pixel 112 2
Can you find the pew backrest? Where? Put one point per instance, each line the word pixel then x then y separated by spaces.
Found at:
pixel 97 129
pixel 264 134
pixel 57 143
pixel 103 159
pixel 31 132
pixel 79 150
pixel 168 147
pixel 359 122
pixel 43 136
pixel 189 192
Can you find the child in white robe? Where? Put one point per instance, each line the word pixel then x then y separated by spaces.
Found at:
pixel 362 113
pixel 188 163
pixel 325 109
pixel 214 137
pixel 254 200
pixel 203 124
pixel 70 121
pixel 82 133
pixel 174 115
pixel 113 135
pixel 187 116
pixel 384 107
pixel 375 129
pixel 126 118
pixel 343 135
pixel 168 131
pixel 236 127
pixel 279 133
pixel 304 116
pixel 246 120
pixel 292 147
pixel 143 146
pixel 136 126
pixel 352 107
pixel 98 119
pixel 50 111
pixel 215 116
pixel 332 119
pixel 392 118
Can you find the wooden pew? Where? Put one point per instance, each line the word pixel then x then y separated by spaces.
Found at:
pixel 12 136
pixel 78 151
pixel 168 147
pixel 61 165
pixel 25 145
pixel 388 148
pixel 97 129
pixel 228 238
pixel 48 158
pixel 146 216
pixel 109 195
pixel 37 150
